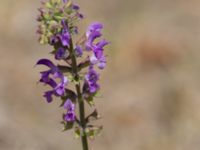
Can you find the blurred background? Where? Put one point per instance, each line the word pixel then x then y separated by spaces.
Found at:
pixel 150 88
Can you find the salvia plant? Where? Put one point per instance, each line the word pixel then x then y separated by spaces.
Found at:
pixel 72 77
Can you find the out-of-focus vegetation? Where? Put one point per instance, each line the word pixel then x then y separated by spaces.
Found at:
pixel 150 98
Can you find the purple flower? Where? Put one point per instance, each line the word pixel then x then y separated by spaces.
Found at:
pixel 70 107
pixel 65 1
pixel 79 15
pixel 75 7
pixel 94 32
pixel 91 79
pixel 54 40
pixel 64 35
pixel 78 51
pixel 61 53
pixel 53 70
pixel 58 88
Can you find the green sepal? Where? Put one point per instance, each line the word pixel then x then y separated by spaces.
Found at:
pixel 90 100
pixel 97 94
pixel 52 23
pixel 93 131
pixel 48 5
pixel 58 18
pixel 55 2
pixel 89 97
pixel 43 39
pixel 67 125
pixel 77 132
pixel 47 17
pixel 72 79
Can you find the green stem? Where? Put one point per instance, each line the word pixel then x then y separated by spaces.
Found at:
pixel 80 98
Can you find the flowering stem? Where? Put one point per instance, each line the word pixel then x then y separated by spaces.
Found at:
pixel 80 98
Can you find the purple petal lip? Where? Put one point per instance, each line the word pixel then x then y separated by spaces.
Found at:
pixel 102 43
pixel 95 27
pixel 48 95
pixel 51 82
pixel 46 62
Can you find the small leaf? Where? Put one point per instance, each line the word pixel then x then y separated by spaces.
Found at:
pixel 69 94
pixel 83 65
pixel 93 116
pixel 64 69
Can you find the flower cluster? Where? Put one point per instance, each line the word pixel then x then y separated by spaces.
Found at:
pixel 57 27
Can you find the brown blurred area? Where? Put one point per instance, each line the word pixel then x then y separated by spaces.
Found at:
pixel 150 88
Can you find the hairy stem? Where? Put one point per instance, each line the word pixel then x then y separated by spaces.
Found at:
pixel 80 98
